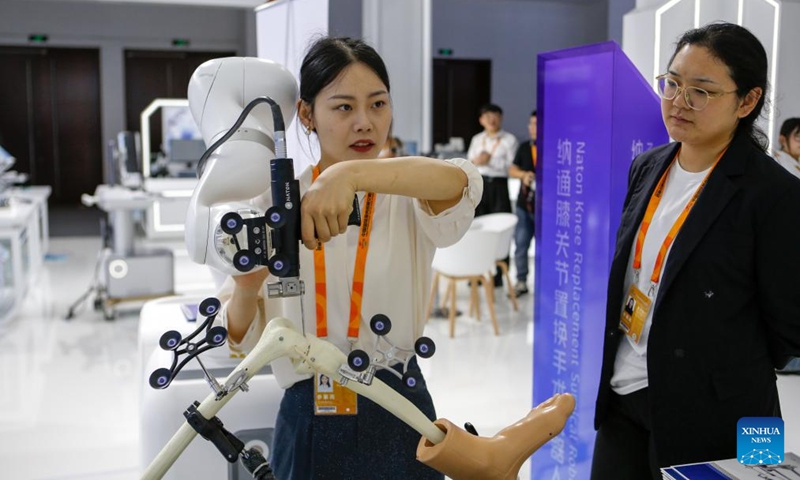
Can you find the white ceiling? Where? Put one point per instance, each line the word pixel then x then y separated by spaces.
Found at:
pixel 207 3
pixel 246 3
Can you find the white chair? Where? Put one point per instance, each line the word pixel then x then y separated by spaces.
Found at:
pixel 504 224
pixel 471 258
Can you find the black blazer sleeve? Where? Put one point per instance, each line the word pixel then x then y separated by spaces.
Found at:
pixel 778 270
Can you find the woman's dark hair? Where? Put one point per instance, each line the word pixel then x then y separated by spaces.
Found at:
pixel 790 125
pixel 746 60
pixel 328 56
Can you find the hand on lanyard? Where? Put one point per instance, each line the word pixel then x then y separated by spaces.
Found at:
pixel 494 148
pixel 358 274
pixel 655 199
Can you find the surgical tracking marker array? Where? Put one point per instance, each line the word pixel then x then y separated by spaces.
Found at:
pixel 172 341
pixel 362 369
pixel 211 429
pixel 233 173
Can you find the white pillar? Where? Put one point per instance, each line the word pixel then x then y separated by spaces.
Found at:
pixel 401 33
pixel 284 30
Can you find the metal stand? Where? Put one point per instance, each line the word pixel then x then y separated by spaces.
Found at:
pixel 95 287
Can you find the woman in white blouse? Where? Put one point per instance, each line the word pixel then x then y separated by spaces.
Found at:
pixel 419 204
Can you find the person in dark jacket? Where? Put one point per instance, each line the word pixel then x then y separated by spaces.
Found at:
pixel 707 249
pixel 524 168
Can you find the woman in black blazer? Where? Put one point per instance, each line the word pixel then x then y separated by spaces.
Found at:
pixel 697 347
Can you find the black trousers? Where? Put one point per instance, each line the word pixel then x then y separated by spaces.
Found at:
pixel 624 448
pixel 495 196
pixel 495 199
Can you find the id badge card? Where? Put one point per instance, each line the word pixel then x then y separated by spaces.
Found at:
pixel 331 398
pixel 634 313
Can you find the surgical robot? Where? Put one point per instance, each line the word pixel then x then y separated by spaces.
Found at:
pixel 242 163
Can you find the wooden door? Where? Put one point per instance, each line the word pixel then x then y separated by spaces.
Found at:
pixel 152 74
pixel 50 121
pixel 460 88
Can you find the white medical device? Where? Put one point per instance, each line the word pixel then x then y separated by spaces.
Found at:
pixel 235 170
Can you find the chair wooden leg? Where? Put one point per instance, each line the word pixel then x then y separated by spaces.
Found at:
pixel 452 292
pixel 489 284
pixel 475 299
pixel 434 291
pixel 511 291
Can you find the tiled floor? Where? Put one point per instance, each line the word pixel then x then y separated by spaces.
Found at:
pixel 68 403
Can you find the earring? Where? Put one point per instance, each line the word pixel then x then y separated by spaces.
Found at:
pixel 307 130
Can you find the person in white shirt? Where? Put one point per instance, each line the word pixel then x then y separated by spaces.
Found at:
pixel 492 151
pixel 417 205
pixel 789 154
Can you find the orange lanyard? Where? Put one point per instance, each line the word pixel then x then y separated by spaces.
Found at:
pixel 533 155
pixel 356 296
pixel 655 199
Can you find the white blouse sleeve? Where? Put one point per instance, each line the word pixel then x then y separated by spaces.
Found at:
pixel 447 227
pixel 264 309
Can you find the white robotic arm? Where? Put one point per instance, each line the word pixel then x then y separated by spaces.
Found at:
pixel 235 171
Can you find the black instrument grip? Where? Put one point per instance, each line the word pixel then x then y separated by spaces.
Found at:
pixel 355 215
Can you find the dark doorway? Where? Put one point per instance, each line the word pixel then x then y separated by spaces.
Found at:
pixel 460 88
pixel 153 74
pixel 50 121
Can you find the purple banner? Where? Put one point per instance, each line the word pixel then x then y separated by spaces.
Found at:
pixel 595 112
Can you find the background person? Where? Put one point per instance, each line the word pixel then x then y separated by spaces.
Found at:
pixel 392 148
pixel 524 168
pixel 789 154
pixel 492 151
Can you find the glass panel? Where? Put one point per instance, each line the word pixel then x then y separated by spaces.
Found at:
pixel 25 249
pixel 7 295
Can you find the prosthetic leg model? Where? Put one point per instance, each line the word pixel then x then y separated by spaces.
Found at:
pixel 445 447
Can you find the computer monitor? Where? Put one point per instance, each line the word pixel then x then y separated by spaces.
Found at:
pixel 112 167
pixel 184 155
pixel 186 151
pixel 129 145
pixel 129 163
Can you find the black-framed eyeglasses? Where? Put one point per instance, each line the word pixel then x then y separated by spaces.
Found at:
pixel 696 98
